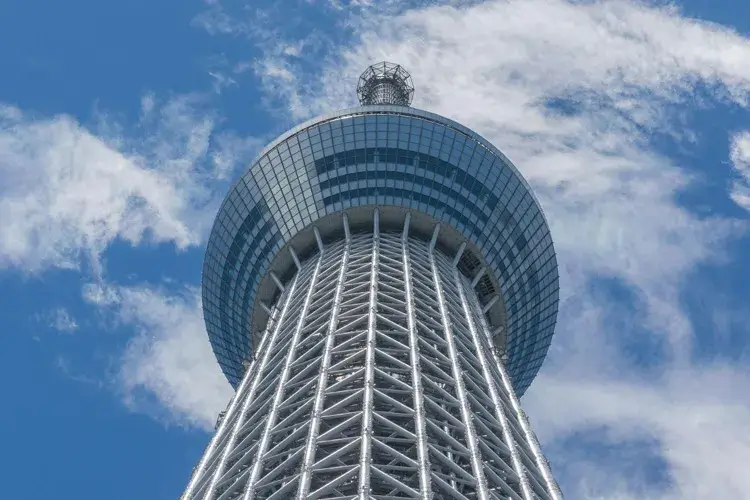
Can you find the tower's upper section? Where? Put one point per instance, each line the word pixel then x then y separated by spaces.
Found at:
pixel 385 83
pixel 401 160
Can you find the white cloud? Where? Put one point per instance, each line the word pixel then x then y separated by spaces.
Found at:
pixel 740 156
pixel 168 364
pixel 67 192
pixel 67 368
pixel 698 416
pixel 573 93
pixel 62 321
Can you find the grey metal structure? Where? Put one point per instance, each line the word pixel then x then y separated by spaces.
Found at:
pixel 385 83
pixel 377 327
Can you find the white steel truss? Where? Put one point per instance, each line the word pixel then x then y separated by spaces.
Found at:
pixel 375 379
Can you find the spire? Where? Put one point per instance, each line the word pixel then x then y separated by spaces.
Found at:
pixel 385 83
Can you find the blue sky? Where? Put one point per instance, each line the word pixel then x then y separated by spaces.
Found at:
pixel 123 124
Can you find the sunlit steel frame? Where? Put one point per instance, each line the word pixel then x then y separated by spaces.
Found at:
pixel 375 379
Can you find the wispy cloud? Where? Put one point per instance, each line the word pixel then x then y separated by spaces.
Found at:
pixel 62 321
pixel 64 364
pixel 167 369
pixel 697 416
pixel 578 94
pixel 740 156
pixel 68 191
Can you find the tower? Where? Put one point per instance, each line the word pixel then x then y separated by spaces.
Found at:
pixel 379 287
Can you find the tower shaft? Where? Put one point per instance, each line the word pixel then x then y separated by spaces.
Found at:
pixel 375 379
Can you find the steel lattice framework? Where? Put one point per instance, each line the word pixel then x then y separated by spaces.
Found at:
pixel 376 379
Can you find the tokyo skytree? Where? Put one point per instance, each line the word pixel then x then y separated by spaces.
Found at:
pixel 380 287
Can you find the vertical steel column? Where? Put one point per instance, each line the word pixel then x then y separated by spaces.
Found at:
pixel 325 364
pixel 425 484
pixel 249 378
pixel 499 410
pixel 539 459
pixel 471 436
pixel 271 419
pixel 366 450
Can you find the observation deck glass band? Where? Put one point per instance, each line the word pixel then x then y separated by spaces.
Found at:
pixel 385 156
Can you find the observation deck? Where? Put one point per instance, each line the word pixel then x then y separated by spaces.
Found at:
pixel 401 160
